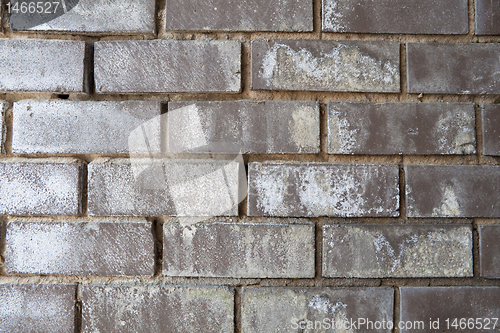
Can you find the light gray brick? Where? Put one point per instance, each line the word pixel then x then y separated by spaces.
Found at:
pixel 490 114
pixel 37 308
pixel 325 65
pixel 157 309
pixel 269 248
pixel 381 250
pixel 141 66
pixel 271 127
pixel 297 309
pixel 163 187
pixel 111 247
pixel 51 186
pixel 82 127
pixel 321 189
pixel 42 65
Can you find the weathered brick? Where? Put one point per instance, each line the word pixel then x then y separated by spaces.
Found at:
pixel 128 66
pixel 296 309
pixel 37 308
pixel 80 248
pixel 452 191
pixel 399 17
pixel 458 68
pixel 401 128
pixel 81 127
pixel 258 15
pixel 487 17
pixel 423 304
pixel 3 107
pixel 325 65
pixel 489 251
pixel 319 189
pixel 241 250
pixel 250 127
pixel 157 309
pixel 163 187
pixel 42 65
pixel 490 115
pixel 50 186
pixel 381 250
pixel 91 16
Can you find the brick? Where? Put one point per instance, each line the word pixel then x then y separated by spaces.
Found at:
pixel 296 309
pixel 401 128
pixel 400 250
pixel 90 16
pixel 37 308
pixel 490 115
pixel 421 304
pixel 397 17
pixel 163 187
pixel 51 186
pixel 81 127
pixel 452 191
pixel 42 65
pixel 3 108
pixel 458 68
pixel 487 17
pixel 272 127
pixel 157 309
pixel 269 248
pixel 489 251
pixel 177 66
pixel 112 247
pixel 325 65
pixel 320 189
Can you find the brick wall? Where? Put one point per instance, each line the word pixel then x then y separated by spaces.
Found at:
pixel 370 140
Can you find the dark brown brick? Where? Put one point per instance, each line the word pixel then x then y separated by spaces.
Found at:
pixel 452 191
pixel 491 129
pixel 37 308
pixel 487 17
pixel 400 16
pixel 321 189
pixel 468 68
pixel 489 250
pixel 269 248
pixel 401 128
pixel 157 309
pixel 420 305
pixel 325 65
pixel 234 15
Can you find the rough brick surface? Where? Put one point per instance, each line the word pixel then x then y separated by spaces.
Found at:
pixel 3 107
pixel 250 127
pixel 98 16
pixel 163 187
pixel 401 128
pixel 268 249
pixel 458 68
pixel 81 127
pixel 325 65
pixel 400 17
pixel 487 17
pixel 491 129
pixel 452 191
pixel 489 250
pixel 128 66
pixel 376 250
pixel 258 15
pixel 283 309
pixel 157 309
pixel 37 308
pixel 40 186
pixel 42 65
pixel 423 303
pixel 319 189
pixel 80 248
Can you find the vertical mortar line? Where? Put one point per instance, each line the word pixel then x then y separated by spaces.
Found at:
pixel 88 68
pixel 84 188
pixel 323 130
pixel 476 264
pixel 319 251
pixel 403 78
pixel 317 19
pixel 3 240
pixel 246 68
pixel 472 19
pixel 396 312
pixel 78 308
pixel 402 191
pixel 479 132
pixel 157 226
pixel 237 310
pixel 160 18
